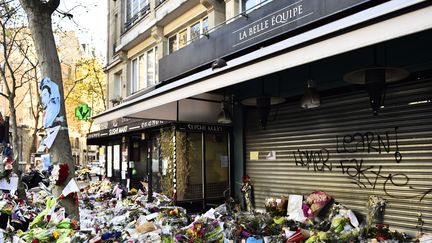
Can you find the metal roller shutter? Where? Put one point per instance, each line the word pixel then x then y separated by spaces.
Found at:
pixel 342 149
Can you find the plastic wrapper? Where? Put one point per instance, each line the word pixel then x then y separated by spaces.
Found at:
pixel 316 201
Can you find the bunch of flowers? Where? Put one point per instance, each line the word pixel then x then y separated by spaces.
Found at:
pixel 375 207
pixel 7 173
pixel 276 206
pixel 202 230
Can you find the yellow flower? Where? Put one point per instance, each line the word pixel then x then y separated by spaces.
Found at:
pixel 56 234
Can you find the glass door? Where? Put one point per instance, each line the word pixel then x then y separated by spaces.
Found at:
pixel 216 167
pixel 138 163
pixel 208 169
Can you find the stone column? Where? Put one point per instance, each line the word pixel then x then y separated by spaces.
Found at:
pixel 215 11
pixel 232 8
pixel 161 43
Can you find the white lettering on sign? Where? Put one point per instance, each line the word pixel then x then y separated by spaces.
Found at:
pixel 271 22
pixel 118 130
pixel 204 128
pixel 151 123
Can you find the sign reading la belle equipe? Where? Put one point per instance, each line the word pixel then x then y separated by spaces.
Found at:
pixel 285 16
pixel 265 25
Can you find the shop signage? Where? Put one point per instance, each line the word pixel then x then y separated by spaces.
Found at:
pixel 124 128
pixel 117 130
pixel 270 23
pixel 193 127
pixel 274 21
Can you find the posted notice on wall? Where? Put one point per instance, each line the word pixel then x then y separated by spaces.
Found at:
pixel 271 155
pixel 254 155
pixel 224 161
pixel 116 157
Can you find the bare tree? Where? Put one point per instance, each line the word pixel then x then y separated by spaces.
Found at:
pixel 39 14
pixel 14 69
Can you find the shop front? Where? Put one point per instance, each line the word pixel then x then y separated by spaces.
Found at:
pixel 360 129
pixel 189 162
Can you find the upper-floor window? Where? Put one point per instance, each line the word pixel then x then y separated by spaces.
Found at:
pixel 188 34
pixel 248 5
pixel 144 70
pixel 135 9
pixel 117 87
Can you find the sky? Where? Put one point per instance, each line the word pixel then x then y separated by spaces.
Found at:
pixel 89 22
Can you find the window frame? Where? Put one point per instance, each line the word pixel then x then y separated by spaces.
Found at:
pixel 257 2
pixel 134 77
pixel 188 29
pixel 142 79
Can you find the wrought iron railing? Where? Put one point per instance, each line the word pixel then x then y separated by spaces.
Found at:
pixel 144 11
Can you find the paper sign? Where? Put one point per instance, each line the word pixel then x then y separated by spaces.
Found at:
pixel 152 216
pixel 46 161
pixel 271 155
pixel 164 166
pixel 254 155
pixel 50 100
pixel 70 188
pixel 224 161
pixel 116 159
pixel 123 175
pixel 41 148
pixel 109 162
pixel 155 165
pixel 12 185
pixel 51 135
pixel 294 209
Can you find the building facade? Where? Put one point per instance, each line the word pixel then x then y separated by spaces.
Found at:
pixel 320 95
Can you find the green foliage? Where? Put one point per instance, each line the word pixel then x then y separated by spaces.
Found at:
pixel 167 153
pixel 180 149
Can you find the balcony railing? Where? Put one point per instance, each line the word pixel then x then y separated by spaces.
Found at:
pixel 135 18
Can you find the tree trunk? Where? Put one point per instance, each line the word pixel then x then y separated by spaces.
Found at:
pixel 39 16
pixel 15 145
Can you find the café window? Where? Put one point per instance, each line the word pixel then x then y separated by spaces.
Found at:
pixel 187 35
pixel 144 70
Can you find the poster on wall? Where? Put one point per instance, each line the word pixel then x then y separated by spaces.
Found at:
pixel 224 161
pixel 254 155
pixel 50 100
pixel 109 161
pixel 46 161
pixel 116 159
pixel 155 165
pixel 271 155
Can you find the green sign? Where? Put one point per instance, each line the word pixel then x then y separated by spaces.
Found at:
pixel 82 112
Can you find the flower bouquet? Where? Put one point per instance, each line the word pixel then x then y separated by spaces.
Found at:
pixel 202 230
pixel 276 206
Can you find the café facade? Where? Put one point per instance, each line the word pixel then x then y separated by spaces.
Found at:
pixel 331 96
